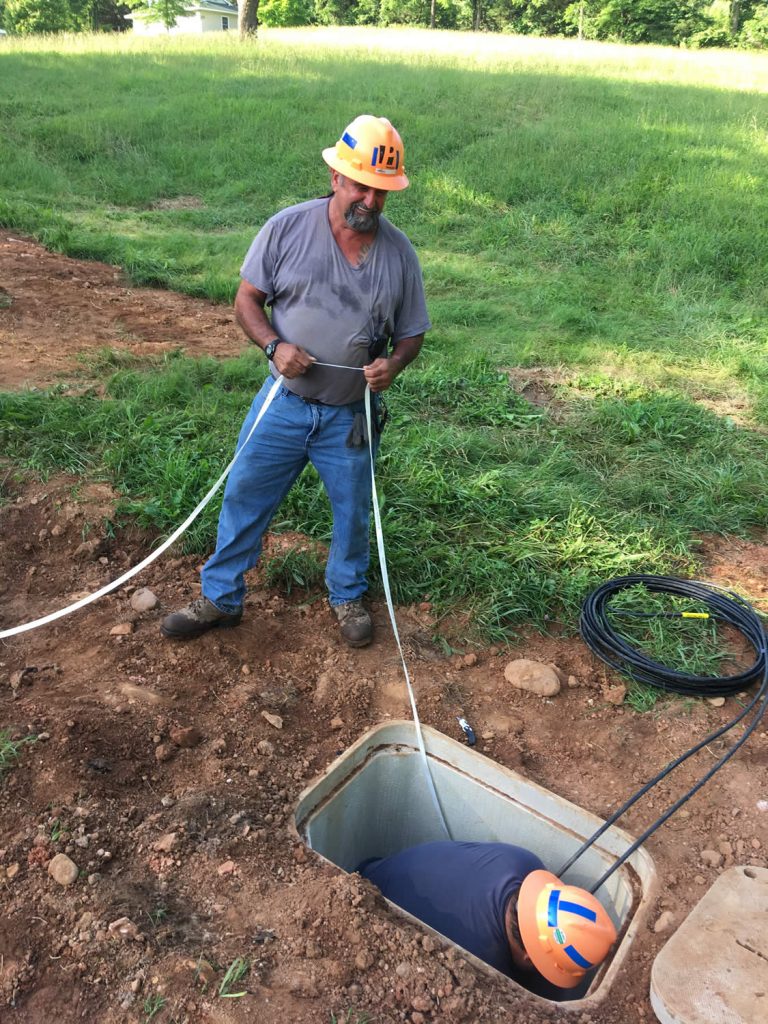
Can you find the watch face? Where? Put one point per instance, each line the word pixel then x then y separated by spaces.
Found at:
pixel 269 351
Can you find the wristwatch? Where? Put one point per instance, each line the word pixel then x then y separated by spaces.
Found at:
pixel 269 350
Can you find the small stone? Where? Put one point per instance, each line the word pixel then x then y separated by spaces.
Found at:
pixel 274 720
pixel 57 530
pixel 699 879
pixel 164 752
pixel 337 723
pixel 165 843
pixel 219 745
pixel 94 878
pixel 755 844
pixel 205 975
pixel 421 1004
pixel 573 682
pixel 122 629
pixel 63 870
pixel 716 702
pixel 470 660
pixel 12 870
pixel 265 748
pixel 364 960
pixel 143 600
pixel 124 928
pixel 711 858
pixel 664 923
pixel 186 737
pixel 417 1018
pixel 488 735
pixel 615 694
pixel 246 670
pixel 533 677
pixel 227 868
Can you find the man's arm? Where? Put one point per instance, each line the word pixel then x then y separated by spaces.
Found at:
pixel 290 360
pixel 381 372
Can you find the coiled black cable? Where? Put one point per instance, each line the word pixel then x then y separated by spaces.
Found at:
pixel 601 637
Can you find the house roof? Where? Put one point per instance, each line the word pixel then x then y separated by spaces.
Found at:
pixel 211 6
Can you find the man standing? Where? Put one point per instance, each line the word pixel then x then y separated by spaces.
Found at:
pixel 347 310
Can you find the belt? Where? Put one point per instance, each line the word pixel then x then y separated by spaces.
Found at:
pixel 311 401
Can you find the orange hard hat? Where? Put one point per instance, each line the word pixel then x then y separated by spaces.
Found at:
pixel 566 931
pixel 370 151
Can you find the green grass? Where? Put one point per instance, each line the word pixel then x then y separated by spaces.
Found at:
pixel 589 210
pixel 10 750
pixel 235 973
pixel 152 1006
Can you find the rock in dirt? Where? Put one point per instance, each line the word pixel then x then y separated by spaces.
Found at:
pixel 533 677
pixel 165 843
pixel 143 600
pixel 615 694
pixel 716 702
pixel 124 928
pixel 712 858
pixel 63 870
pixel 164 752
pixel 274 720
pixel 186 737
pixel 122 629
pixel 664 923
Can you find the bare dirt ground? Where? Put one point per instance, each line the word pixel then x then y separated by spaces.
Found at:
pixel 156 771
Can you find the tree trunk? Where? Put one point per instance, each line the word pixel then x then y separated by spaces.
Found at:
pixel 735 17
pixel 247 17
pixel 432 14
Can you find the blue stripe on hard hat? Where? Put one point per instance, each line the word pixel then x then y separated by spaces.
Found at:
pixel 554 896
pixel 346 137
pixel 375 156
pixel 576 908
pixel 577 958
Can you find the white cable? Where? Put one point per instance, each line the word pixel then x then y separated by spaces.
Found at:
pixel 391 610
pixel 158 551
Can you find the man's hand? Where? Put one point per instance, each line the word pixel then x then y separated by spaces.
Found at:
pixel 292 360
pixel 380 373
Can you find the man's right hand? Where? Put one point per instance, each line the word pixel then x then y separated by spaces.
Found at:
pixel 291 360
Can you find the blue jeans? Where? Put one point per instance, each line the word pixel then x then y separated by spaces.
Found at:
pixel 291 434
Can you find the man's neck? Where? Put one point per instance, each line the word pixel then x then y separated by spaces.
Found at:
pixel 354 244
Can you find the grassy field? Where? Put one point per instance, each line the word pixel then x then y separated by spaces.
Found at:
pixel 595 211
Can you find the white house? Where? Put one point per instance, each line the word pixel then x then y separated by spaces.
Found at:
pixel 206 16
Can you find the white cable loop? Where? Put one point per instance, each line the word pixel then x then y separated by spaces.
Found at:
pixel 4 634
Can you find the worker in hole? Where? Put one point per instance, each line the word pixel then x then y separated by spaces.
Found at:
pixel 347 309
pixel 498 902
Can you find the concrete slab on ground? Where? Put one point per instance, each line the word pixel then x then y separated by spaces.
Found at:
pixel 714 969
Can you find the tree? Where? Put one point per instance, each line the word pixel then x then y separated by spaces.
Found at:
pixel 29 17
pixel 247 17
pixel 166 11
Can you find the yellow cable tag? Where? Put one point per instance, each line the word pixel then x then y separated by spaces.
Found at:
pixel 694 615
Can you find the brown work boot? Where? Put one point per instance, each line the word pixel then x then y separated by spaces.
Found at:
pixel 355 622
pixel 197 618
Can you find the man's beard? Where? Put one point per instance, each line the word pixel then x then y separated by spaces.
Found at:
pixel 360 218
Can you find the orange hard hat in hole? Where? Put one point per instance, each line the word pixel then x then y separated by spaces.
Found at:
pixel 370 151
pixel 566 931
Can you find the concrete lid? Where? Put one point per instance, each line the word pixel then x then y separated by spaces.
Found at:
pixel 714 969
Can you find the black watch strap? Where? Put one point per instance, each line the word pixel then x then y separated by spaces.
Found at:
pixel 269 350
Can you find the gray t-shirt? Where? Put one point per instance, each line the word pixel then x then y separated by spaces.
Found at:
pixel 330 308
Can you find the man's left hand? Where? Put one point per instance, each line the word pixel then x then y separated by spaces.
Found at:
pixel 380 373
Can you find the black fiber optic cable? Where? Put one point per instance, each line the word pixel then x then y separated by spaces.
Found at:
pixel 601 637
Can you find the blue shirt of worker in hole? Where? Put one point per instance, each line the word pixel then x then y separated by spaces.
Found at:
pixel 468 892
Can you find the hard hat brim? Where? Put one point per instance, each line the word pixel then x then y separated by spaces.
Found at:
pixel 529 931
pixel 387 182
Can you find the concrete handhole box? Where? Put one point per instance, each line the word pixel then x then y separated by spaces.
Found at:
pixel 374 801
